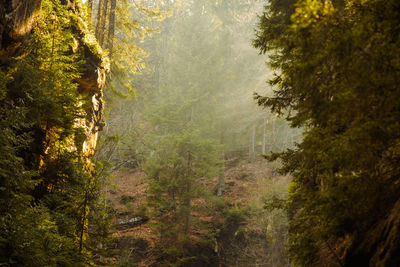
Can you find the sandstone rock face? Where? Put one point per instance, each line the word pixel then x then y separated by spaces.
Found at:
pixel 92 81
pixel 17 20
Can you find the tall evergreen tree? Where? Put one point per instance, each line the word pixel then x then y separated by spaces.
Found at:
pixel 46 187
pixel 337 74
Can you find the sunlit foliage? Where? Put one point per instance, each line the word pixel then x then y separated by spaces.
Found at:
pixel 337 73
pixel 46 189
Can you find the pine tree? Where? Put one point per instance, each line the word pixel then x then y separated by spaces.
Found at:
pixel 46 188
pixel 337 76
pixel 174 168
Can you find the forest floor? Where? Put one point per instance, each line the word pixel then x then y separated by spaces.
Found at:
pixel 248 186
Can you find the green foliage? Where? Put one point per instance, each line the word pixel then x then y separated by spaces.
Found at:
pixel 173 168
pixel 46 190
pixel 235 218
pixel 194 99
pixel 127 60
pixel 3 84
pixel 201 58
pixel 337 74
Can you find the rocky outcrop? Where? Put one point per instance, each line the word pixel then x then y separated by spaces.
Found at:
pixel 130 222
pixel 381 245
pixel 17 21
pixel 93 79
pixel 17 18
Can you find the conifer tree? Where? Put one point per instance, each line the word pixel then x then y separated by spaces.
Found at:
pixel 337 73
pixel 177 162
pixel 46 189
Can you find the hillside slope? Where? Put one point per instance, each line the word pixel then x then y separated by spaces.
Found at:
pixel 239 230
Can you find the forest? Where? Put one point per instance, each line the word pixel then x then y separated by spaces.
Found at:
pixel 200 133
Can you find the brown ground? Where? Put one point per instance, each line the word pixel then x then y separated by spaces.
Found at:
pixel 246 183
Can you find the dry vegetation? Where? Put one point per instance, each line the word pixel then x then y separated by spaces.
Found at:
pixel 247 186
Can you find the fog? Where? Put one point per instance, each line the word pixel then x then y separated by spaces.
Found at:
pixel 193 116
pixel 201 68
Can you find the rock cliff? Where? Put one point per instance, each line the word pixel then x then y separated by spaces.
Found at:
pixel 380 246
pixel 17 21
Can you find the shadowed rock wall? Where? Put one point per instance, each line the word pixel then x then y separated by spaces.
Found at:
pixel 17 18
pixel 17 21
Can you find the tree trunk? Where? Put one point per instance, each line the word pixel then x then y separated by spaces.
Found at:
pixel 83 223
pixel 221 178
pixel 188 197
pixel 252 143
pixel 98 19
pixel 263 140
pixel 111 27
pixel 273 133
pixel 90 5
pixel 103 23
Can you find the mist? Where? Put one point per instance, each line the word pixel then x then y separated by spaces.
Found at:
pixel 191 124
